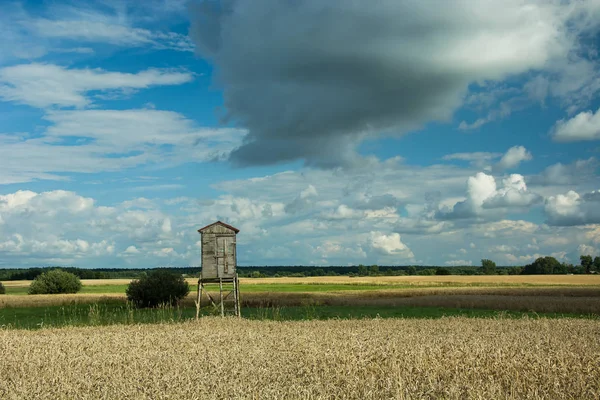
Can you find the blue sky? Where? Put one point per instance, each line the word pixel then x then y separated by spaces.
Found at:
pixel 329 133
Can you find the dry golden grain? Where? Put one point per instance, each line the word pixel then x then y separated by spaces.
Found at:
pixel 577 280
pixel 491 280
pixel 45 300
pixel 448 358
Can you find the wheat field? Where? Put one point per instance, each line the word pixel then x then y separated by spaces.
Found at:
pixel 413 280
pixel 448 358
pixel 576 280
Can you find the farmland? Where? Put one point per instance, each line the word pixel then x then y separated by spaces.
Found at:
pixel 103 301
pixel 452 358
pixel 453 337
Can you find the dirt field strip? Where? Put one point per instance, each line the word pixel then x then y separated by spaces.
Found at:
pixel 448 358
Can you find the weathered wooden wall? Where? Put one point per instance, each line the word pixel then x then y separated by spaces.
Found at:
pixel 218 240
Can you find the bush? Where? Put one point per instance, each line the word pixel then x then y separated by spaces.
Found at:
pixel 54 282
pixel 159 287
pixel 2 288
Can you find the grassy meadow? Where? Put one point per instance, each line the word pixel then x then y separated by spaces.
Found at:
pixel 103 302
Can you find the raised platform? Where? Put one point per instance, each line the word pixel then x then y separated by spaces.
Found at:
pixel 235 307
pixel 217 280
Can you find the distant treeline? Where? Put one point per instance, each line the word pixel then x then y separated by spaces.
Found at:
pixel 543 265
pixel 261 271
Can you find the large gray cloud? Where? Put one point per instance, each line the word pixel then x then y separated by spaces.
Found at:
pixel 310 79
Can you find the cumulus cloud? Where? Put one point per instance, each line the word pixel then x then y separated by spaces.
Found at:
pixel 514 193
pixel 482 194
pixel 304 200
pixel 577 172
pixel 513 157
pixel 390 245
pixel 345 71
pixel 573 209
pixel 583 126
pixel 47 85
pixel 66 228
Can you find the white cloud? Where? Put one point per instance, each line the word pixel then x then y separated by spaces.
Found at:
pixel 108 31
pixel 111 140
pixel 507 228
pixel 575 173
pixel 583 126
pixel 132 250
pixel 390 245
pixel 483 194
pixel 344 212
pixel 48 85
pixel 63 227
pixel 584 249
pixel 573 209
pixel 458 263
pixel 304 200
pixel 62 27
pixel 513 157
pixel 513 194
pixel 478 159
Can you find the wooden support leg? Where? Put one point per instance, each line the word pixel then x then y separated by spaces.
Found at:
pixel 237 296
pixel 221 294
pixel 212 301
pixel 235 306
pixel 199 300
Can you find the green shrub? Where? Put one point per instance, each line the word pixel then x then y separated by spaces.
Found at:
pixel 54 282
pixel 159 287
pixel 2 288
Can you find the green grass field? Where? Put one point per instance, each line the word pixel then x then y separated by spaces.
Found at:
pixel 267 287
pixel 312 299
pixel 117 312
pixel 299 287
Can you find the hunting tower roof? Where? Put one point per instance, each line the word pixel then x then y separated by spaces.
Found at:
pixel 236 230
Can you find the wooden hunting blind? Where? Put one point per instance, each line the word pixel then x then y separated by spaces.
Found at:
pixel 219 262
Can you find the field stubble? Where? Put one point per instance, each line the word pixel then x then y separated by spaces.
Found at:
pixel 448 358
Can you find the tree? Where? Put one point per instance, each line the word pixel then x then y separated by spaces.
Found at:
pixel 543 265
pixel 597 264
pixel 159 287
pixel 2 288
pixel 488 267
pixel 362 270
pixel 586 262
pixel 54 282
pixel 374 270
pixel 442 271
pixel 427 271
